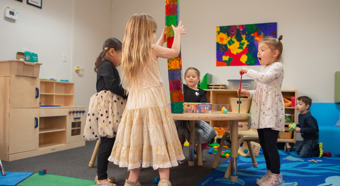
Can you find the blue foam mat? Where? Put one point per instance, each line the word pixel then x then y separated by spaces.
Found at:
pixel 13 178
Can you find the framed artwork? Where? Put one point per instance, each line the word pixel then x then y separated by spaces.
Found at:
pixel 19 0
pixel 236 45
pixel 36 3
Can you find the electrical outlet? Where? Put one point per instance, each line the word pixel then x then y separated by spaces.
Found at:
pixel 65 58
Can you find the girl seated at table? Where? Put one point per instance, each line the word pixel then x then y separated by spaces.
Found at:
pixel 204 132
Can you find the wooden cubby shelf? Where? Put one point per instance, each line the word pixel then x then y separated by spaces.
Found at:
pixel 56 93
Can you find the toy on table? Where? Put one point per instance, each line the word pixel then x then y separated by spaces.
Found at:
pixel 292 126
pixel 224 110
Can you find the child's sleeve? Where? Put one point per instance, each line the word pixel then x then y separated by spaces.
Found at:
pixel 251 93
pixel 310 126
pixel 266 77
pixel 112 80
pixel 204 97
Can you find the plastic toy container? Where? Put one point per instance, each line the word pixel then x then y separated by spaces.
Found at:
pixel 248 84
pixel 19 68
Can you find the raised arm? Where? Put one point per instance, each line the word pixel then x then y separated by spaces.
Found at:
pixel 266 77
pixel 161 39
pixel 172 52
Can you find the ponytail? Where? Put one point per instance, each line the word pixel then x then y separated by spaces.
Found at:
pixel 108 44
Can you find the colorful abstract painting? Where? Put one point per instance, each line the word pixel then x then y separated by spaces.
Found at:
pixel 236 45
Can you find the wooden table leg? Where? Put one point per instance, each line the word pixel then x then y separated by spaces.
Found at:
pixel 191 143
pixel 234 150
pixel 217 156
pixel 199 155
pixel 227 173
pixel 94 154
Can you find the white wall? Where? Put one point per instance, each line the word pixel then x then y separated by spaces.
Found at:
pixel 45 31
pixel 310 30
pixel 78 28
pixel 92 26
pixel 75 28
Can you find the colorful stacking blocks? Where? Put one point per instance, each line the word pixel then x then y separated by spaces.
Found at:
pixel 174 64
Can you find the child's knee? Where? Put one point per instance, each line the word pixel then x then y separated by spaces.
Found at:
pixel 304 155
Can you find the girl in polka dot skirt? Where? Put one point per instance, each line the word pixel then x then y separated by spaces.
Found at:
pixel 106 106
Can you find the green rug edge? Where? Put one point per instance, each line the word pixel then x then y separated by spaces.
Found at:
pixel 54 180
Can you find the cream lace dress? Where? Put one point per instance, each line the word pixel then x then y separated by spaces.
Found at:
pixel 147 135
pixel 267 110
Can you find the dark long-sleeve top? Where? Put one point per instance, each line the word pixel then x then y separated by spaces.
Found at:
pixel 108 79
pixel 309 126
pixel 191 95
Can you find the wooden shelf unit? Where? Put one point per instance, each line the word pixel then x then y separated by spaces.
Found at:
pixel 221 96
pixel 27 130
pixel 56 93
pixel 287 136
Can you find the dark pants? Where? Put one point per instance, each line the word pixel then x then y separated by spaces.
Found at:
pixel 268 142
pixel 308 148
pixel 104 152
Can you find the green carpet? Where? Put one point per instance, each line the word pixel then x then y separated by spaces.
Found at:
pixel 54 180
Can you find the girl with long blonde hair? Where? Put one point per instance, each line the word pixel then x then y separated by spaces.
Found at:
pixel 147 135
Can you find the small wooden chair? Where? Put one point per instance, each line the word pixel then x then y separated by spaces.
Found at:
pixel 243 136
pixel 2 169
pixel 94 154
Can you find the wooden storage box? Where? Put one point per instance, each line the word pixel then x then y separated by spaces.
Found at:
pixel 244 107
pixel 285 135
pixel 19 68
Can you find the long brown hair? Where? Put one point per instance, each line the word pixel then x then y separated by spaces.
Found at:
pixel 108 44
pixel 137 45
pixel 274 44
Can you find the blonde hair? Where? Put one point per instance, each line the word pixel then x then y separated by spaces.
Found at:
pixel 137 45
pixel 274 44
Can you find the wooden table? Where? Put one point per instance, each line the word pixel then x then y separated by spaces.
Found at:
pixel 214 116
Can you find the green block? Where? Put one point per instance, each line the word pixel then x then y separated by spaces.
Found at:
pixel 171 20
pixel 213 144
pixel 177 107
pixel 337 87
pixel 206 81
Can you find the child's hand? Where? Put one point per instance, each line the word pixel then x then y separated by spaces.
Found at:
pixel 297 129
pixel 162 38
pixel 244 70
pixel 179 29
pixel 244 93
